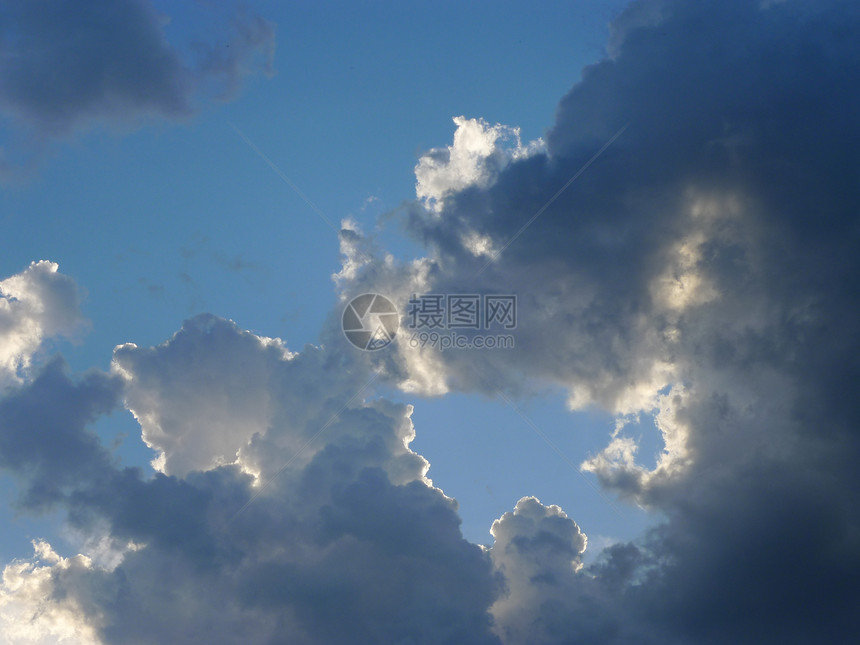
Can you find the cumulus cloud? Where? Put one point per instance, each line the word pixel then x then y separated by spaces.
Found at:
pixel 697 274
pixel 198 406
pixel 35 305
pixel 314 522
pixel 67 66
pixel 700 273
pixel 29 614
pixel 538 551
pixel 479 152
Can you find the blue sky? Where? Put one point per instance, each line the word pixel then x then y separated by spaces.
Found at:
pixel 154 202
pixel 191 450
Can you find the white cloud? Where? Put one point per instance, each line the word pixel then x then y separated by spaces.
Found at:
pixel 35 305
pixel 538 550
pixel 479 152
pixel 198 408
pixel 30 613
pixel 215 395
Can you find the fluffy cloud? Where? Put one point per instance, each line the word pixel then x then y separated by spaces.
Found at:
pixel 537 550
pixel 28 611
pixel 700 272
pixel 216 395
pixel 479 152
pixel 316 525
pixel 202 395
pixel 66 66
pixel 35 305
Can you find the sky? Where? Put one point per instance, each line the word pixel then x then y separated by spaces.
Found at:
pixel 192 195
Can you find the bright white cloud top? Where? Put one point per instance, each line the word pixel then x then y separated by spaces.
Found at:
pixel 35 305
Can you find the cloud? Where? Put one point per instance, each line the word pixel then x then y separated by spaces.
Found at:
pixel 44 438
pixel 198 408
pixel 696 273
pixel 479 152
pixel 313 521
pixel 28 612
pixel 538 551
pixel 35 305
pixel 67 67
pixel 699 273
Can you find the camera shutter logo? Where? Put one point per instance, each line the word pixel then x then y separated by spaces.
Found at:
pixel 370 321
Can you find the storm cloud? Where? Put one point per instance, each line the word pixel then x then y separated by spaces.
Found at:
pixel 701 271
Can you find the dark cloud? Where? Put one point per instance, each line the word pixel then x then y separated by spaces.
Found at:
pixel 736 160
pixel 66 65
pixel 701 271
pixel 318 526
pixel 65 62
pixel 43 436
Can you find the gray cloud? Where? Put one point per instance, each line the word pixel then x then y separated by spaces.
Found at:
pixel 701 271
pixel 66 66
pixel 43 436
pixel 538 550
pixel 347 541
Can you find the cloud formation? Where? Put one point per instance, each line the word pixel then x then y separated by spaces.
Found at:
pixel 37 304
pixel 67 66
pixel 537 550
pixel 310 521
pixel 479 152
pixel 700 272
pixel 28 611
